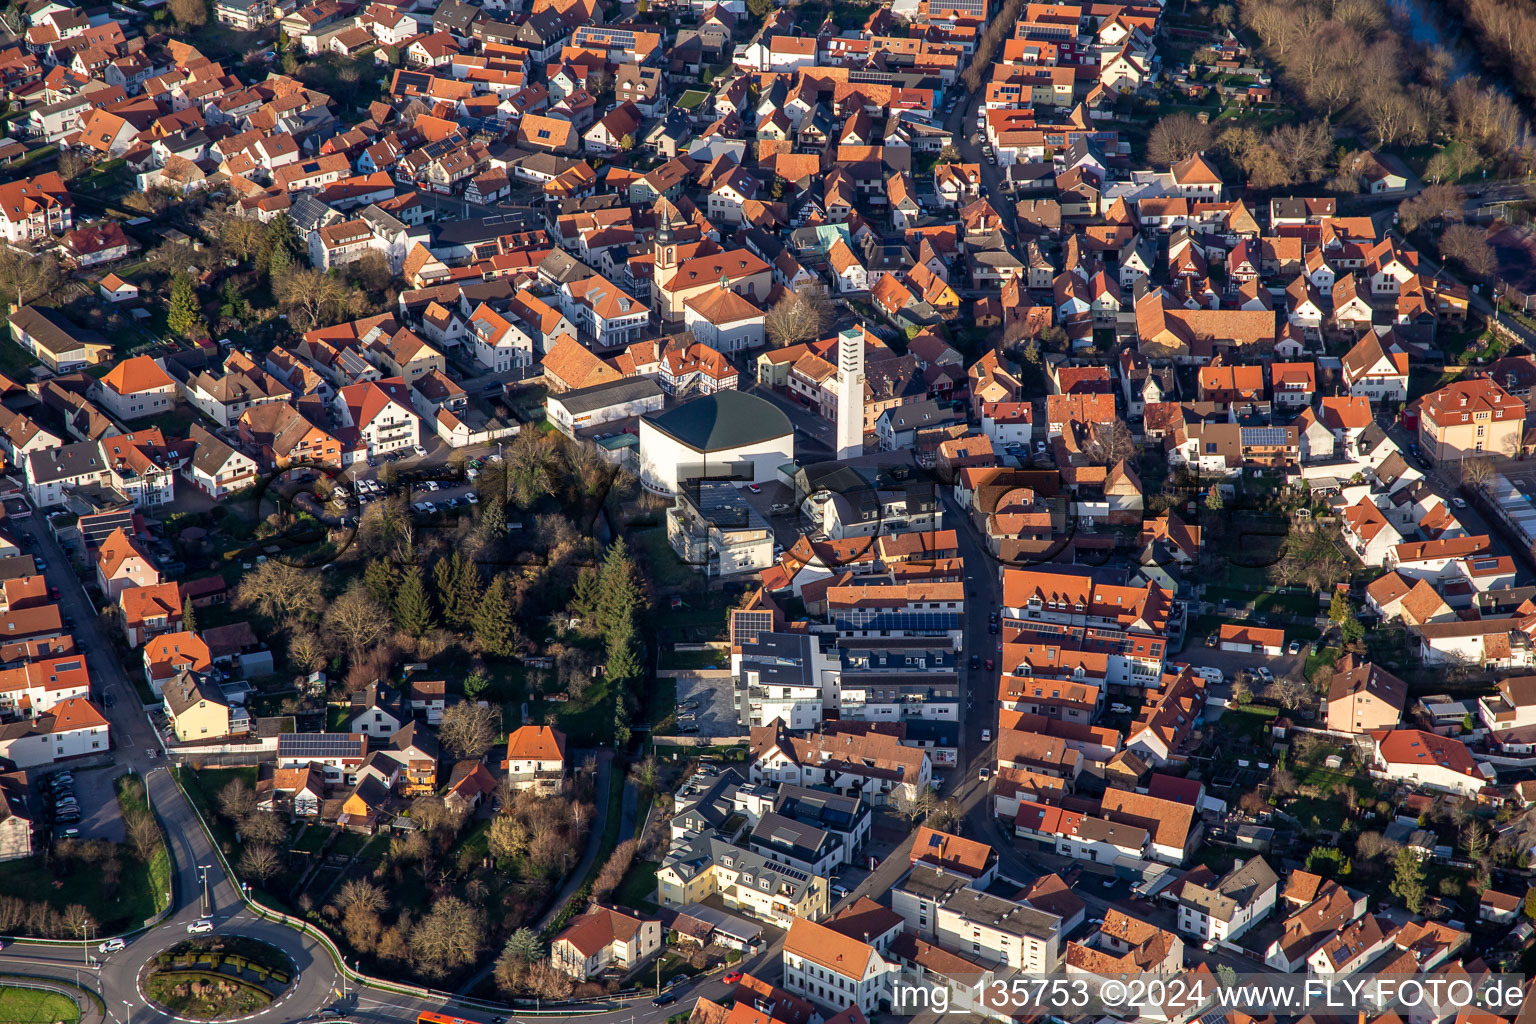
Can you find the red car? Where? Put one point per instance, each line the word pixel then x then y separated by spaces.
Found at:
pixel 732 977
pixel 989 664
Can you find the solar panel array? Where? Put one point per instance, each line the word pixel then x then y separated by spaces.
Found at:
pixel 1273 437
pixel 874 618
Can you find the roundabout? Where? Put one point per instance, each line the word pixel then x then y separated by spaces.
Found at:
pixel 216 978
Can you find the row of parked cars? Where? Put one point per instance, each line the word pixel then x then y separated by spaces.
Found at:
pixel 59 790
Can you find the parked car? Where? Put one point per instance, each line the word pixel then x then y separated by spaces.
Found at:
pixel 839 890
pixel 1120 709
pixel 1294 647
pixel 984 774
pixel 1264 673
pixel 975 661
pixel 986 735
pixel 1459 502
pixel 989 664
pixel 418 449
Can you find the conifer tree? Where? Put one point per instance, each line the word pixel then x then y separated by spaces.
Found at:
pixel 493 626
pixel 413 609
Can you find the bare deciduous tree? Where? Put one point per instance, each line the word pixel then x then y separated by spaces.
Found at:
pixel 1177 137
pixel 356 620
pixel 236 800
pixel 279 590
pixel 1468 246
pixel 260 861
pixel 613 872
pixel 469 729
pixel 448 936
pixel 798 317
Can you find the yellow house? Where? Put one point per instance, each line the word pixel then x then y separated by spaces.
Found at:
pixel 197 709
pixel 746 881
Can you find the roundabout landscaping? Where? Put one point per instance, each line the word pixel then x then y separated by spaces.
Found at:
pixel 216 978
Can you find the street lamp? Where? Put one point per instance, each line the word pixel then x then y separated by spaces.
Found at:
pixel 202 871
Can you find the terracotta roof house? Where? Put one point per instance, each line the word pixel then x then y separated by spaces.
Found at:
pixel 536 758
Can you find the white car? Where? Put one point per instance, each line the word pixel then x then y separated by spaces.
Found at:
pixel 418 449
pixel 1459 502
pixel 1120 709
pixel 111 946
pixel 201 926
pixel 986 735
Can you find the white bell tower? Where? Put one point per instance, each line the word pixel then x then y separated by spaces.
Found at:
pixel 850 393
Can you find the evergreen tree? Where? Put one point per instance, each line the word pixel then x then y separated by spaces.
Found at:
pixel 585 597
pixel 381 577
pixel 188 616
pixel 185 316
pixel 467 591
pixel 621 732
pixel 493 625
pixel 475 684
pixel 1408 880
pixel 445 579
pixel 279 260
pixel 623 658
pixel 234 305
pixel 618 590
pixel 493 520
pixel 413 610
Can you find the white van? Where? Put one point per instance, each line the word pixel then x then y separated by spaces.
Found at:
pixel 1209 674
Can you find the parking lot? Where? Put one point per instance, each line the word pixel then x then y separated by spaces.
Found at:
pixel 100 816
pixel 716 713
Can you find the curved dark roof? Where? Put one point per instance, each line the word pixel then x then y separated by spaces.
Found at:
pixel 726 419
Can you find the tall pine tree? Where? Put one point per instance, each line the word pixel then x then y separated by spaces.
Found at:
pixel 618 590
pixel 585 598
pixel 493 625
pixel 381 577
pixel 623 657
pixel 467 591
pixel 413 609
pixel 445 579
pixel 188 616
pixel 185 316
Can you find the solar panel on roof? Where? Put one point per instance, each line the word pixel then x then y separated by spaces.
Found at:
pixel 1270 436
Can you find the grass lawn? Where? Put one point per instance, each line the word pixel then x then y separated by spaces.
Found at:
pixel 1246 725
pixel 711 658
pixel 31 1006
pixel 1316 659
pixel 203 786
pixel 132 905
pixel 588 722
pixel 15 361
pixel 311 838
pixel 666 569
pixel 1268 602
pixel 638 890
pixel 691 99
pixel 1329 813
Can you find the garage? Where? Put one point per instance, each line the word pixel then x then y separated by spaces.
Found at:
pixel 1253 640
